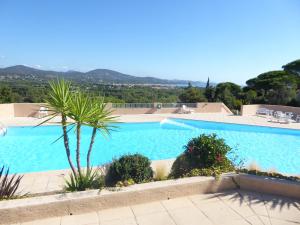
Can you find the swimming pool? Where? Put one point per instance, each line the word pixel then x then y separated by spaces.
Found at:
pixel 30 149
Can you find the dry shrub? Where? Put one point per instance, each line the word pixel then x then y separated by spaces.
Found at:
pixel 254 166
pixel 160 172
pixel 272 170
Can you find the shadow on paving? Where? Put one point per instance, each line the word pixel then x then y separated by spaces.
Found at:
pixel 255 198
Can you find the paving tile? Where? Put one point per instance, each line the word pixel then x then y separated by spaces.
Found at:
pixel 203 198
pixel 161 218
pixel 148 208
pixel 116 213
pixel 234 222
pixel 238 204
pixel 82 219
pixel 126 221
pixel 282 222
pixel 218 212
pixel 265 219
pixel 284 212
pixel 257 220
pixel 50 221
pixel 177 203
pixel 190 216
pixel 256 202
pixel 282 208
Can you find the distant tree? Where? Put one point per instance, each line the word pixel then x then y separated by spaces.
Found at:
pixel 281 96
pixel 209 91
pixel 293 67
pixel 275 87
pixel 207 83
pixel 6 95
pixel 270 80
pixel 191 95
pixel 250 96
pixel 230 94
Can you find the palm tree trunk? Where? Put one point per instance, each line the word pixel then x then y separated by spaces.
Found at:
pixel 90 148
pixel 66 143
pixel 78 148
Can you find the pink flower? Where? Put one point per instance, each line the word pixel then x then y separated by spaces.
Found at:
pixel 191 149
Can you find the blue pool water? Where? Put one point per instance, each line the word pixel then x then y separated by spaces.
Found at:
pixel 29 149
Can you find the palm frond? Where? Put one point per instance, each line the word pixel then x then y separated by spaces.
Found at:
pixel 89 179
pixel 68 130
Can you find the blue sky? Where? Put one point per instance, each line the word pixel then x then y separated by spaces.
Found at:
pixel 231 40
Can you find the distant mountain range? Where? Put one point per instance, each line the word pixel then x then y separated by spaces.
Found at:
pixel 97 76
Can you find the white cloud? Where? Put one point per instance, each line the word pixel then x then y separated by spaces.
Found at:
pixel 37 66
pixel 65 68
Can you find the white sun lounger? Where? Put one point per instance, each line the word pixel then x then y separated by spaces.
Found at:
pixel 43 111
pixel 3 129
pixel 186 110
pixel 281 117
pixel 262 111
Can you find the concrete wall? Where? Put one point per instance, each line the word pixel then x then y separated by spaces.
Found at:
pixel 251 109
pixel 26 109
pixel 31 109
pixel 7 110
pixel 212 107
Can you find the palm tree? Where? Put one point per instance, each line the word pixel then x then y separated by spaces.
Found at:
pixel 101 121
pixel 58 105
pixel 82 111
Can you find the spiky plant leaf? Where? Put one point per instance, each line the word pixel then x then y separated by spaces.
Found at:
pixel 9 184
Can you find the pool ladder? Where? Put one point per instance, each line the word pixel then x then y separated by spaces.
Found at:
pixel 3 129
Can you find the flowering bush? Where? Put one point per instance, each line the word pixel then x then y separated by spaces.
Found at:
pixel 205 151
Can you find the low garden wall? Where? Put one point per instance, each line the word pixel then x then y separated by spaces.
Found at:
pixel 22 210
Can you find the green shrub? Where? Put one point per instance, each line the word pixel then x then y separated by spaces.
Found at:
pixel 9 184
pixel 136 167
pixel 89 179
pixel 205 151
pixel 269 174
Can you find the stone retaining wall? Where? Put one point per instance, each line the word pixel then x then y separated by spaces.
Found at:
pixel 31 109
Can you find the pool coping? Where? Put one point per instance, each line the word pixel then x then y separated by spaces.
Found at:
pixel 242 124
pixel 210 117
pixel 21 210
pixel 175 118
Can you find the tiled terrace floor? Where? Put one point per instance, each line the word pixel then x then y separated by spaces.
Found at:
pixel 216 117
pixel 222 208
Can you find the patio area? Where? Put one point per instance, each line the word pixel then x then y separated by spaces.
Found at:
pixel 215 117
pixel 233 207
